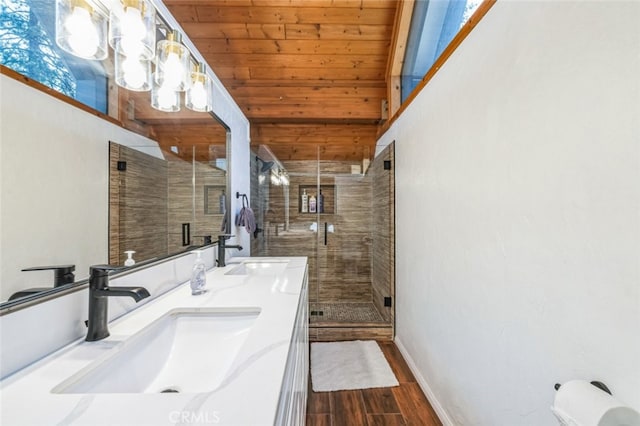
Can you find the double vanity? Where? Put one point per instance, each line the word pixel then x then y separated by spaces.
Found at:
pixel 235 355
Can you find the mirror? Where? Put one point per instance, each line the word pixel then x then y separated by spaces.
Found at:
pixel 55 163
pixel 54 171
pixel 163 201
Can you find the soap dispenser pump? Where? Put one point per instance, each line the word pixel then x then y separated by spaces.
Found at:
pixel 130 260
pixel 198 275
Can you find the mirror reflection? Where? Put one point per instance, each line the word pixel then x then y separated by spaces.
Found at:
pixel 165 201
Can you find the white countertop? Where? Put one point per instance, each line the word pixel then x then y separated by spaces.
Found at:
pixel 249 395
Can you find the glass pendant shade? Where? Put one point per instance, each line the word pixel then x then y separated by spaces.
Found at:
pixel 132 29
pixel 132 73
pixel 172 59
pixel 164 98
pixel 198 96
pixel 81 29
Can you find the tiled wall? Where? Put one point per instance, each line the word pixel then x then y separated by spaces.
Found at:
pixel 383 238
pixel 357 264
pixel 137 205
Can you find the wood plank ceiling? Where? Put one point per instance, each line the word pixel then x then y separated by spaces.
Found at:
pixel 307 73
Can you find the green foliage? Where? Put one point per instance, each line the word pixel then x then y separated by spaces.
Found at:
pixel 27 48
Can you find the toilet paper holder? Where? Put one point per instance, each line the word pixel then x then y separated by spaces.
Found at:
pixel 595 383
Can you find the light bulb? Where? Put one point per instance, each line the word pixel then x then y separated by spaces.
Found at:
pixel 199 95
pixel 133 32
pixel 83 35
pixel 173 70
pixel 133 73
pixel 166 97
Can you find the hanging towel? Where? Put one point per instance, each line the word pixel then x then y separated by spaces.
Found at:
pixel 246 217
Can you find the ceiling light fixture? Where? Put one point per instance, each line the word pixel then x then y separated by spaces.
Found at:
pixel 172 60
pixel 81 29
pixel 198 95
pixel 132 73
pixel 132 28
pixel 164 97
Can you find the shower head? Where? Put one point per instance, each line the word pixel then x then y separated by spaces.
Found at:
pixel 266 165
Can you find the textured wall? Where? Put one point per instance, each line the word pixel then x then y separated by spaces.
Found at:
pixel 518 234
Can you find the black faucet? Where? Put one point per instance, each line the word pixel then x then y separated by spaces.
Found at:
pixel 222 246
pixel 99 292
pixel 62 274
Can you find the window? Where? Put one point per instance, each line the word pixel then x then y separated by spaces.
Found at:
pixel 27 45
pixel 434 24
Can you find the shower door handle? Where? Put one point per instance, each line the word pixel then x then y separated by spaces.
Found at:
pixel 186 234
pixel 325 233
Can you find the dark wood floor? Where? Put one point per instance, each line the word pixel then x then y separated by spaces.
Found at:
pixel 400 405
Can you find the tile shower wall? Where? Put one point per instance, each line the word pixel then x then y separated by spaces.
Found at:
pixel 383 238
pixel 343 266
pixel 354 270
pixel 137 205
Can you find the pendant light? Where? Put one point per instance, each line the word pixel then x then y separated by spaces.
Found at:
pixel 198 96
pixel 172 59
pixel 132 73
pixel 81 29
pixel 164 97
pixel 132 28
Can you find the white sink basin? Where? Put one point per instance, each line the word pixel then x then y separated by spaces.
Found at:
pixel 260 268
pixel 186 350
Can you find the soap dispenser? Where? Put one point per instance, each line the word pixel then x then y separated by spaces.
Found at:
pixel 130 260
pixel 198 275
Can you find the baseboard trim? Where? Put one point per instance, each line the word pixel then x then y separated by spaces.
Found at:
pixel 440 411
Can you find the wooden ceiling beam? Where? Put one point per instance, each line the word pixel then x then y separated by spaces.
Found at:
pixel 404 14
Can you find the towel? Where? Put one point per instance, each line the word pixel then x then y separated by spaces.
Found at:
pixel 246 217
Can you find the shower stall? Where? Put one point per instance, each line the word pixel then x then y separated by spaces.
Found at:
pixel 340 214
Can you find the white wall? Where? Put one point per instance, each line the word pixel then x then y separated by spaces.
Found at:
pixel 518 213
pixel 53 185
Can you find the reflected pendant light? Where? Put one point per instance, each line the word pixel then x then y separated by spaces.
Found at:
pixel 198 95
pixel 132 73
pixel 81 29
pixel 172 59
pixel 132 28
pixel 164 97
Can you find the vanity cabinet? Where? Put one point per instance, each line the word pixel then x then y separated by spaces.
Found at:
pixel 292 407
